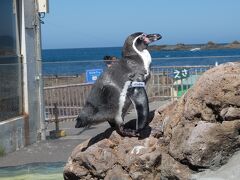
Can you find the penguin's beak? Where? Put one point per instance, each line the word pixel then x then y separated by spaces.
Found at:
pixel 154 37
pixel 147 39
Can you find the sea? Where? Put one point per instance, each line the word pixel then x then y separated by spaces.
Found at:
pixel 76 61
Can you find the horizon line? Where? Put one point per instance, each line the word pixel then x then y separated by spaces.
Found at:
pixel 195 44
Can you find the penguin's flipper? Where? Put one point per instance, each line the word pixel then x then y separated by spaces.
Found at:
pixel 139 98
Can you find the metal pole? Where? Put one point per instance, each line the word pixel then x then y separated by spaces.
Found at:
pixel 39 75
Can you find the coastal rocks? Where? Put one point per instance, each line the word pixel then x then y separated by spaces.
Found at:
pixel 233 45
pixel 208 45
pixel 198 132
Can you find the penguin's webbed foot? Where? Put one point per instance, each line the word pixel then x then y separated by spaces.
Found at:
pixel 127 132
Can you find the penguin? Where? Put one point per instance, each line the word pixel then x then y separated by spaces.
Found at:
pixel 120 85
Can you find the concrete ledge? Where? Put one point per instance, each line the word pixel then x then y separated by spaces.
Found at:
pixel 12 134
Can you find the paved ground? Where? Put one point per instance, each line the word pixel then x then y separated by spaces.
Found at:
pixel 58 150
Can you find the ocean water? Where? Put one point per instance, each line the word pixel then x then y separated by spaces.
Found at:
pixel 77 61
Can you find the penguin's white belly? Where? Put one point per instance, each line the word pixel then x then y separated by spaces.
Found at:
pixel 121 102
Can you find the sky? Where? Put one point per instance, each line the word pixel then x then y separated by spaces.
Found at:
pixel 107 23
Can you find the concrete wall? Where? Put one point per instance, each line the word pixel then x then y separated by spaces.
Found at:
pixel 24 130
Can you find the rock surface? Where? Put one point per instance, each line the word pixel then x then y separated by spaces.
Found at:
pixel 198 132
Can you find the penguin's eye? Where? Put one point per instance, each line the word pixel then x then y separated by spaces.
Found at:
pixel 142 37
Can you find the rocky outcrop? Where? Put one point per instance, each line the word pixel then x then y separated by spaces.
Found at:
pixel 208 45
pixel 200 131
pixel 233 45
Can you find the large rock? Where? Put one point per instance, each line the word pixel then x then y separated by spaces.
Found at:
pixel 199 131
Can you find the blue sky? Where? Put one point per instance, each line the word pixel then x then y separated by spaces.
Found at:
pixel 106 23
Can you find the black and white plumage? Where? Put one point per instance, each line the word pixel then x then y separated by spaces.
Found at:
pixel 112 93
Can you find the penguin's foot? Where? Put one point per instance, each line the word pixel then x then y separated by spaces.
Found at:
pixel 127 132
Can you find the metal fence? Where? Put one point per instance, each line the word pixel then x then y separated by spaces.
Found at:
pixel 65 101
pixel 64 97
pixel 172 82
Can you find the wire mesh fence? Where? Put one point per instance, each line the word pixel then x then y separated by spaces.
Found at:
pixel 10 90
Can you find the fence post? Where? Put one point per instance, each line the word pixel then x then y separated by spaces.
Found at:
pixel 56 133
pixel 55 112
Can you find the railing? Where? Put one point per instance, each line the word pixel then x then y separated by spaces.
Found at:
pixel 167 82
pixel 69 99
pixel 172 82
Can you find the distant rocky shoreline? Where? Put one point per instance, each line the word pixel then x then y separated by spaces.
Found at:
pixel 193 47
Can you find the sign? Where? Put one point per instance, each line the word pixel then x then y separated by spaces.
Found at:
pixel 92 75
pixel 181 73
